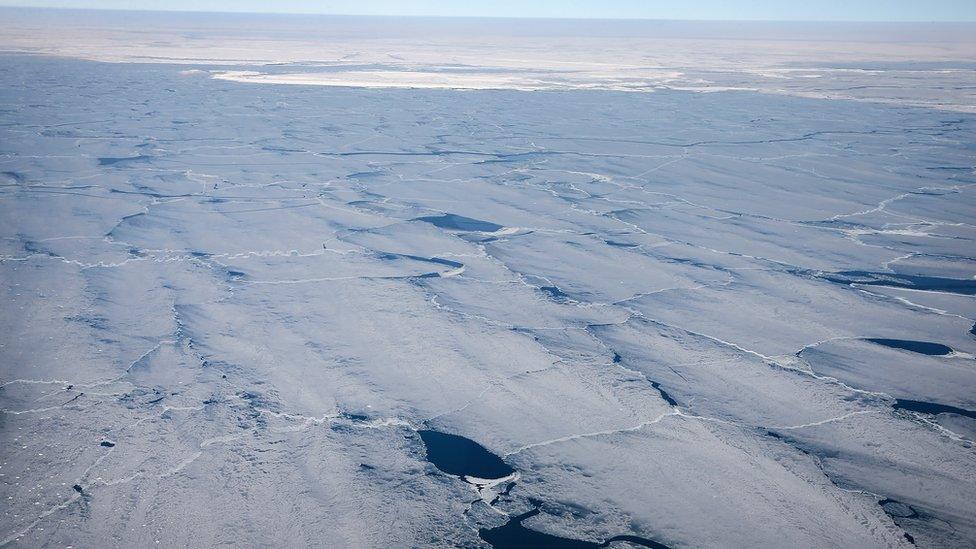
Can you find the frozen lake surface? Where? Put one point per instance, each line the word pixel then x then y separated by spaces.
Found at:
pixel 308 315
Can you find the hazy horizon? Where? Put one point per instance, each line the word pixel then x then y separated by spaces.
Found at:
pixel 947 11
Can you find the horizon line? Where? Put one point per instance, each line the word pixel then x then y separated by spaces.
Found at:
pixel 476 17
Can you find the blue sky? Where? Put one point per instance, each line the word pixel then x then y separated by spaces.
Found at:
pixel 808 10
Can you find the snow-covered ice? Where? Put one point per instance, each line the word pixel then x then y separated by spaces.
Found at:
pixel 303 315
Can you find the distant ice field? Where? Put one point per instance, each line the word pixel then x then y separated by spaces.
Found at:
pixel 905 64
pixel 250 314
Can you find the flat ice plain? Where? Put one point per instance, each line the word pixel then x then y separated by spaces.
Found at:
pixel 568 306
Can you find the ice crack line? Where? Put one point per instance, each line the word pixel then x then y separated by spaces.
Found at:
pixel 637 427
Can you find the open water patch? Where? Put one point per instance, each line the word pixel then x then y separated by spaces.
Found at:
pixel 460 223
pixel 962 286
pixel 514 535
pixel 664 394
pixel 114 161
pixel 932 408
pixel 923 347
pixel 457 455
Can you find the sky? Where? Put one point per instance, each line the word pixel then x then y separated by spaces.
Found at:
pixel 802 10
